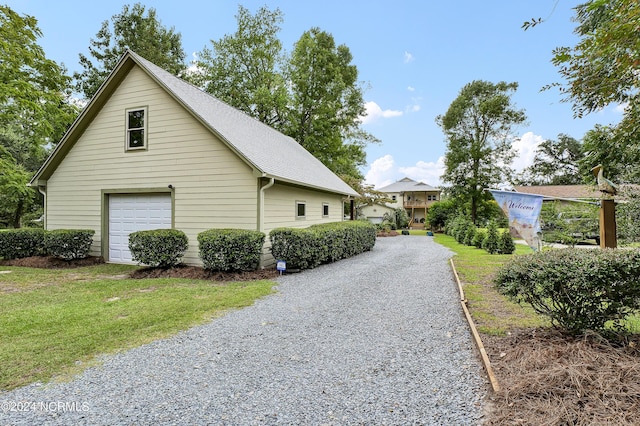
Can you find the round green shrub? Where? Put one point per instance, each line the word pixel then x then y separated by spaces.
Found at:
pixel 577 289
pixel 230 249
pixel 19 243
pixel 491 242
pixel 158 248
pixel 69 244
pixel 507 246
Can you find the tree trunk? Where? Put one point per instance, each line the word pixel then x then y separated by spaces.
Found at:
pixel 18 214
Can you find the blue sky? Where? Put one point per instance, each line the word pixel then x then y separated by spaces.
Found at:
pixel 413 57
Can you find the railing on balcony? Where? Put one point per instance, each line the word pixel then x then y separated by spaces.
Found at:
pixel 418 204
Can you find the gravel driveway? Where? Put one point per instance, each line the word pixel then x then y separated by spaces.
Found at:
pixel 378 339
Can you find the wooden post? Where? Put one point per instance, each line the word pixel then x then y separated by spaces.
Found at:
pixel 608 224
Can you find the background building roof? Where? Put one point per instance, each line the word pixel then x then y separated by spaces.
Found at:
pixel 407 185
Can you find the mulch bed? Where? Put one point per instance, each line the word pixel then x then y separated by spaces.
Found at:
pixel 387 234
pixel 198 273
pixel 50 262
pixel 181 271
pixel 548 378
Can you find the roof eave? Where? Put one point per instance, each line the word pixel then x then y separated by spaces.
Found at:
pixel 124 65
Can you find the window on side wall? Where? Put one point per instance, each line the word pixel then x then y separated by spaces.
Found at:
pixel 136 126
pixel 301 210
pixel 325 209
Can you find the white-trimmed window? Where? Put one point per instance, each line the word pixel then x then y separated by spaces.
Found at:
pixel 325 209
pixel 136 127
pixel 301 209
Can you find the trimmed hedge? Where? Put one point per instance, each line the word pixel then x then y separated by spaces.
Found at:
pixel 577 289
pixel 306 248
pixel 69 244
pixel 158 248
pixel 230 249
pixel 23 242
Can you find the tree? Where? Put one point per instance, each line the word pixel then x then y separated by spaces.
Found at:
pixel 35 111
pixel 628 215
pixel 556 163
pixel 15 195
pixel 327 102
pixel 313 95
pixel 134 30
pixel 33 89
pixel 478 127
pixel 602 146
pixel 245 69
pixel 603 68
pixel 440 212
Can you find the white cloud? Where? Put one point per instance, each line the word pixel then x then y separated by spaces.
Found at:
pixel 384 171
pixel 374 112
pixel 428 172
pixel 411 88
pixel 408 57
pixel 525 148
pixel 620 109
pixel 413 108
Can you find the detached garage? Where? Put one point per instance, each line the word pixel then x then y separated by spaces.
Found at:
pixel 151 151
pixel 134 212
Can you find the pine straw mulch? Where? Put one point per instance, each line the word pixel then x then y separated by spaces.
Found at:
pixel 181 271
pixel 548 378
pixel 51 262
pixel 198 273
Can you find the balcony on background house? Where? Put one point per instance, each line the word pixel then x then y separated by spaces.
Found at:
pixel 415 204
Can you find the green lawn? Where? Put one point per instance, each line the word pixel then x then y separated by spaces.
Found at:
pixel 53 321
pixel 492 312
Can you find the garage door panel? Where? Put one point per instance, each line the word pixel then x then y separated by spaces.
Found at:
pixel 131 213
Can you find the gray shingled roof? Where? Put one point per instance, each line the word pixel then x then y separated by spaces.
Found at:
pixel 267 150
pixel 407 185
pixel 271 153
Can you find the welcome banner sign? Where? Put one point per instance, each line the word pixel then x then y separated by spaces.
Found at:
pixel 523 211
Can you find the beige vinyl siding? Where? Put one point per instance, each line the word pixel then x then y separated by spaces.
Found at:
pixel 214 188
pixel 280 207
pixel 280 211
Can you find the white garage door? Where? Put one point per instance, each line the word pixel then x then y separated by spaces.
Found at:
pixel 131 213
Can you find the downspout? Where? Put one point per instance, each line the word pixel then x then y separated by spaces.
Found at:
pixel 261 201
pixel 41 189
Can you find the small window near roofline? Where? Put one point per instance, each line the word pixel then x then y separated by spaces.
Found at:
pixel 325 209
pixel 136 129
pixel 301 210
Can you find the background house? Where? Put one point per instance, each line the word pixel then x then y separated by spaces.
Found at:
pixel 567 192
pixel 152 151
pixel 414 197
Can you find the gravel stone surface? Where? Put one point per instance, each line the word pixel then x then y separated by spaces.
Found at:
pixel 376 339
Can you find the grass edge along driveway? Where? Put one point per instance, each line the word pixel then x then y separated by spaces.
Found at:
pixel 493 313
pixel 56 322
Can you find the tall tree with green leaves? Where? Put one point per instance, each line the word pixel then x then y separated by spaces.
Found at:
pixel 601 146
pixel 134 28
pixel 34 90
pixel 479 128
pixel 603 68
pixel 244 69
pixel 15 195
pixel 556 163
pixel 312 95
pixel 327 101
pixel 35 111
